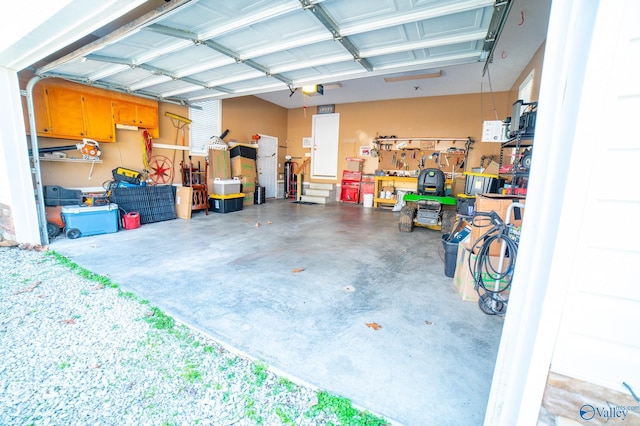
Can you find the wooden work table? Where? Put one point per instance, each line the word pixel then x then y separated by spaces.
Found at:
pixel 402 183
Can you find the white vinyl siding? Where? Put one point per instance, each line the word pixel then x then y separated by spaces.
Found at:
pixel 598 339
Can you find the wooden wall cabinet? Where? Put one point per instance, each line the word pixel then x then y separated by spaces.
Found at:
pixel 135 114
pixel 69 114
pixel 138 115
pixel 69 111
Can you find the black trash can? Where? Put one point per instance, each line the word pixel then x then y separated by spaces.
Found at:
pixel 450 256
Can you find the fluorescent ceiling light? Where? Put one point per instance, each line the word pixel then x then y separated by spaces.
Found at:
pixel 413 77
pixel 331 86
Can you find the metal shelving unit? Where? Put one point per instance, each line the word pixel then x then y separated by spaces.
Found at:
pixel 519 142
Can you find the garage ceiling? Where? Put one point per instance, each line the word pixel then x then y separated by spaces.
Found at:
pixel 186 51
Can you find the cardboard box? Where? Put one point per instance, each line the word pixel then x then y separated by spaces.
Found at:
pixel 248 199
pixel 243 167
pixel 463 278
pixel 184 201
pixel 219 164
pixel 355 164
pixel 498 203
pixel 492 169
pixel 248 184
pixel 457 186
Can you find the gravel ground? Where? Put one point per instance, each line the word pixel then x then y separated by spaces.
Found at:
pixel 76 350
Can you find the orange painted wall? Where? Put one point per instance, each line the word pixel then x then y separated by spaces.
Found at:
pixel 535 63
pixel 457 116
pixel 249 115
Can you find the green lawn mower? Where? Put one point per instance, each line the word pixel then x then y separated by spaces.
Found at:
pixel 429 208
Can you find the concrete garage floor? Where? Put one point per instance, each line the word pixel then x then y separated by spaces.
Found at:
pixel 430 363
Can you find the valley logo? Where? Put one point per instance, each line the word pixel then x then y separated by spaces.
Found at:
pixel 588 411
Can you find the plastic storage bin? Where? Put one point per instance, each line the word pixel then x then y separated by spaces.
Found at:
pixel 86 221
pixel 479 183
pixel 244 151
pixel 59 196
pixel 226 186
pixel 226 203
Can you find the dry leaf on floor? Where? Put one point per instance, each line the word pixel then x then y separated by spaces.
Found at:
pixel 269 222
pixel 257 224
pixel 69 321
pixel 373 325
pixel 28 288
pixel 295 270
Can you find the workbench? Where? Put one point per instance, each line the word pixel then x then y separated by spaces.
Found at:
pixel 403 183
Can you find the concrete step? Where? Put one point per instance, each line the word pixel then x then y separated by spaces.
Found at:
pixel 317 192
pixel 325 186
pixel 313 199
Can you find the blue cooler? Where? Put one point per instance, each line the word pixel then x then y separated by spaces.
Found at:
pixel 94 220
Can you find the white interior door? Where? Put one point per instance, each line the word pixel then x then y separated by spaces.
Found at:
pixel 267 164
pixel 324 151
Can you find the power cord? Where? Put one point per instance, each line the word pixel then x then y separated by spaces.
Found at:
pixel 493 299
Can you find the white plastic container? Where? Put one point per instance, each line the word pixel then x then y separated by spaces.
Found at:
pixel 226 186
pixel 368 200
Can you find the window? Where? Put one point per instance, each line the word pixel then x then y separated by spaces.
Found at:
pixel 526 88
pixel 205 123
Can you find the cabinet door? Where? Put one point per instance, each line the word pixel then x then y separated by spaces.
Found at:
pixel 65 113
pixel 125 113
pixel 40 111
pixel 98 118
pixel 147 116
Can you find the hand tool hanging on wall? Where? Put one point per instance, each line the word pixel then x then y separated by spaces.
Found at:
pixel 179 122
pixel 147 148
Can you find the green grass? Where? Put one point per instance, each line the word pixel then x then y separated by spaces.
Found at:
pixel 260 372
pixel 84 273
pixel 160 320
pixel 287 384
pixel 284 416
pixel 344 411
pixel 191 373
